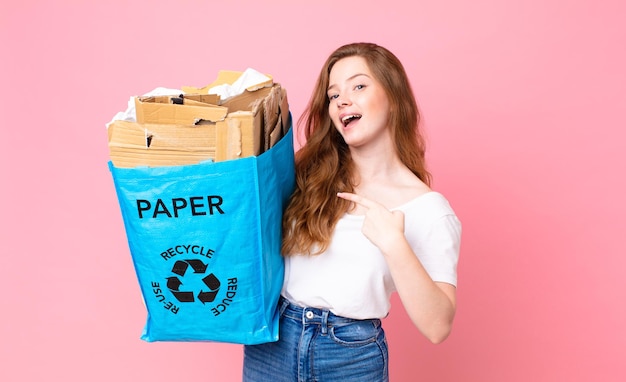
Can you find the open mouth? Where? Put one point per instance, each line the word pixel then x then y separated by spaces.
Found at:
pixel 350 118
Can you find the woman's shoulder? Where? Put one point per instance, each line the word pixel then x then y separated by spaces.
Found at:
pixel 430 214
pixel 429 203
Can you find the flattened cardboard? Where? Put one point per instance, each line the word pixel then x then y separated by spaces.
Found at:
pixel 155 110
pixel 271 114
pixel 132 144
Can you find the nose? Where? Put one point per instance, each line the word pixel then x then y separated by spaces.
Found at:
pixel 342 101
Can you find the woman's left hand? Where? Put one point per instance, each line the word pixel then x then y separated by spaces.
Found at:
pixel 381 226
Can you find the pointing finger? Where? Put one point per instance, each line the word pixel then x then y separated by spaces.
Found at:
pixel 356 199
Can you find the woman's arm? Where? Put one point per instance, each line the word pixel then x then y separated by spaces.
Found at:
pixel 430 305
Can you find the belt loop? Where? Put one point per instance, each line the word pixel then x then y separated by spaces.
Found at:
pixel 284 303
pixel 324 321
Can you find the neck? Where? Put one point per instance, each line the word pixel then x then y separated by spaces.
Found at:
pixel 376 164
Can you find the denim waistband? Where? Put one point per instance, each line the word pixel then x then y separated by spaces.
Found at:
pixel 316 316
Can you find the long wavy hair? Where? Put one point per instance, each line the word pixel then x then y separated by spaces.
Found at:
pixel 324 165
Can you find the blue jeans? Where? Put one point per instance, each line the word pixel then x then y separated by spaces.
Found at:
pixel 317 346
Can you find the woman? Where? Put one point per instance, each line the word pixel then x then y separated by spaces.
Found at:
pixel 361 224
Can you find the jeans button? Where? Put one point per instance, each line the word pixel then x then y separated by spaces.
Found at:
pixel 309 314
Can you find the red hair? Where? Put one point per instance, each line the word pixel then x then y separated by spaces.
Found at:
pixel 324 165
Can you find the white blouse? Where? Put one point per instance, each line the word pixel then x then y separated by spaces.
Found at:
pixel 351 278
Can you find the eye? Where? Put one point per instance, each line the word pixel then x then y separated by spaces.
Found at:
pixel 359 87
pixel 333 96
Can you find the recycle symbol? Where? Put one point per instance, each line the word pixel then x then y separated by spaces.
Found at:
pixel 210 281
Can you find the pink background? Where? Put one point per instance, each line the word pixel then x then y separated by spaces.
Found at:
pixel 523 103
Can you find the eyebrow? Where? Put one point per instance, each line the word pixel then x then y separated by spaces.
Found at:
pixel 349 79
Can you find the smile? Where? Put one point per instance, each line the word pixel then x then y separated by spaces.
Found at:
pixel 350 118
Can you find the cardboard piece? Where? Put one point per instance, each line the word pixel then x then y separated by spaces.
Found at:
pixel 163 110
pixel 133 144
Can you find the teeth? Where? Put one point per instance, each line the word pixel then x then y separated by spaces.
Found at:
pixel 348 118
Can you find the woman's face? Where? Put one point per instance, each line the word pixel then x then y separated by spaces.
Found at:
pixel 358 107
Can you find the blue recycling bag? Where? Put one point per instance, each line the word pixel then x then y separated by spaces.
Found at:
pixel 205 242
